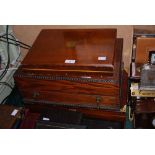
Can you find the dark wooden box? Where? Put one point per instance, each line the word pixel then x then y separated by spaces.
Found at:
pixel 9 115
pixel 74 68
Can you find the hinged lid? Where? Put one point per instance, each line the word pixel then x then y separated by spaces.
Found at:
pixel 83 49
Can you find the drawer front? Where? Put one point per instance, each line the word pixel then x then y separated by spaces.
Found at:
pixel 82 100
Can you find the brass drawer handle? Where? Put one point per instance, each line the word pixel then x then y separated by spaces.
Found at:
pixel 35 94
pixel 98 99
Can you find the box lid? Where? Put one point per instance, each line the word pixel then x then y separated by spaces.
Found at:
pixel 85 48
pixel 143 46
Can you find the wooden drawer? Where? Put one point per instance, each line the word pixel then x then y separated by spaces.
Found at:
pixel 72 99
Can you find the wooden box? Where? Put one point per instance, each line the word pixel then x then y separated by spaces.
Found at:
pixel 142 45
pixel 8 116
pixel 74 68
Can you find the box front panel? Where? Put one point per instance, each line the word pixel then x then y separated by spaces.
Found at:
pixel 83 94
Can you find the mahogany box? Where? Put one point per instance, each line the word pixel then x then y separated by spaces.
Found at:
pixel 74 68
pixel 9 116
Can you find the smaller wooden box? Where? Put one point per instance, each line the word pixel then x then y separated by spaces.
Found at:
pixel 8 116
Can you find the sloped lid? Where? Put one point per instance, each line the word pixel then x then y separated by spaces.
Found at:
pixel 73 48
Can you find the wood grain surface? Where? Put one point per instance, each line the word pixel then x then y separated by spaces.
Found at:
pixel 44 78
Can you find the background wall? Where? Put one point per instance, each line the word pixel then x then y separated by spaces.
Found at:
pixel 150 28
pixel 28 34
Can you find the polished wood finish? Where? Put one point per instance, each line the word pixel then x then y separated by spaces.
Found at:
pixel 69 86
pixel 141 52
pixel 7 121
pixel 145 106
pixel 53 47
pixel 62 98
pixel 94 113
pixel 44 78
pixel 143 46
